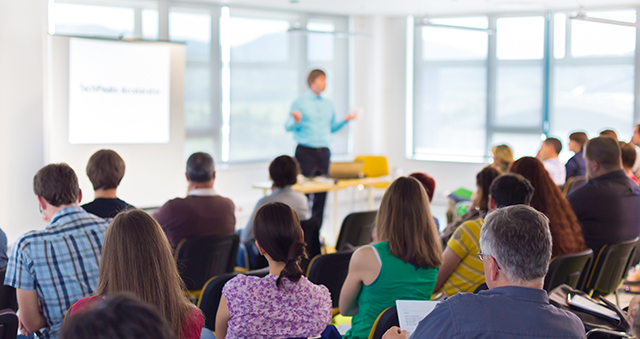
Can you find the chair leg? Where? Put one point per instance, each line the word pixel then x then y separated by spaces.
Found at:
pixel 617 299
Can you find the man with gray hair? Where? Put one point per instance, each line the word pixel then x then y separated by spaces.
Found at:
pixel 203 212
pixel 515 247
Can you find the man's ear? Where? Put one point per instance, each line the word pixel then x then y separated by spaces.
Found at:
pixel 186 176
pixel 492 203
pixel 493 265
pixel 79 195
pixel 214 175
pixel 42 202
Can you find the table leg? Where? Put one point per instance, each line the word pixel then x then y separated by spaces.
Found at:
pixel 371 201
pixel 336 220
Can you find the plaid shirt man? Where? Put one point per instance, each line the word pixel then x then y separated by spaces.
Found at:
pixel 60 262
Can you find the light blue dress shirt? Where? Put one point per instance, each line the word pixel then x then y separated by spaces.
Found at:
pixel 318 121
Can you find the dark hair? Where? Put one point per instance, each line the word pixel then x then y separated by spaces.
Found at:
pixel 605 151
pixel 277 230
pixel 105 169
pixel 57 184
pixel 200 167
pixel 579 137
pixel 314 74
pixel 284 171
pixel 120 315
pixel 557 144
pixel 628 154
pixel 427 181
pixel 484 179
pixel 609 133
pixel 548 199
pixel 511 189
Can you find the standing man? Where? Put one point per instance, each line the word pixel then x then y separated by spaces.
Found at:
pixel 312 121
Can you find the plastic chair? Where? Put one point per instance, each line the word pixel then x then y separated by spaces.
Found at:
pixel 200 259
pixel 8 324
pixel 573 183
pixel 481 287
pixel 609 268
pixel 387 319
pixel 212 293
pixel 330 270
pixel 374 166
pixel 567 269
pixel 8 297
pixel 311 231
pixel 356 229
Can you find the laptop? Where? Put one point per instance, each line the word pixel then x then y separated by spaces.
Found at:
pixel 346 170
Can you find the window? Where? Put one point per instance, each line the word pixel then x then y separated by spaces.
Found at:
pixel 102 21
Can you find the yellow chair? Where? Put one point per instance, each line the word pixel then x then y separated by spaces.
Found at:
pixel 375 166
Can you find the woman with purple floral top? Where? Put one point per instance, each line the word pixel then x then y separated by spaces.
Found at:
pixel 283 304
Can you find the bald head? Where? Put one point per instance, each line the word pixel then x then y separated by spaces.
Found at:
pixel 602 155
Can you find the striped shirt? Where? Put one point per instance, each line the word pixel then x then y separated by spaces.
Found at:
pixel 60 262
pixel 470 273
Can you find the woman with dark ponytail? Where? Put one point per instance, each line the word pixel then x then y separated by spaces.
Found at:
pixel 283 304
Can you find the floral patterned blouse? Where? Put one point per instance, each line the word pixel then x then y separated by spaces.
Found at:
pixel 258 309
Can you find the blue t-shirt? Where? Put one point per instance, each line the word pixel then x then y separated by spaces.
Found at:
pixel 318 121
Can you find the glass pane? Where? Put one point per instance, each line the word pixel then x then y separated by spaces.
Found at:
pixel 599 39
pixel 99 21
pixel 259 40
pixel 452 112
pixel 199 144
pixel 519 92
pixel 195 30
pixel 593 98
pixel 150 24
pixel 260 103
pixel 520 38
pixel 455 44
pixel 521 144
pixel 320 46
pixel 560 35
pixel 197 97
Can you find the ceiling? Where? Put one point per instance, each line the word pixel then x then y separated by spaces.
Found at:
pixel 428 7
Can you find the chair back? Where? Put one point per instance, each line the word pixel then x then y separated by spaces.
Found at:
pixel 311 232
pixel 356 229
pixel 566 269
pixel 374 165
pixel 387 319
pixel 330 270
pixel 610 267
pixel 573 183
pixel 200 259
pixel 8 297
pixel 8 324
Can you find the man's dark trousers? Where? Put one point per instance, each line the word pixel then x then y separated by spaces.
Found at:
pixel 314 162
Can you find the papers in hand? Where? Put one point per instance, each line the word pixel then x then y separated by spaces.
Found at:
pixel 411 312
pixel 591 306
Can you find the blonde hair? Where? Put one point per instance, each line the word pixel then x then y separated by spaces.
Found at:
pixel 405 221
pixel 136 258
pixel 504 153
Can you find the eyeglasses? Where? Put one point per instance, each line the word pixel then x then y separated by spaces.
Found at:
pixel 481 255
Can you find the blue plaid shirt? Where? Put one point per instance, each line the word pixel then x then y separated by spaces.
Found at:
pixel 60 262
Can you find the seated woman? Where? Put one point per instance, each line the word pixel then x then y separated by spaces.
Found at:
pixel 403 266
pixel 136 258
pixel 548 199
pixel 284 303
pixel 502 157
pixel 479 205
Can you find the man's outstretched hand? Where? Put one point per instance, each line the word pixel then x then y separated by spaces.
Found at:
pixel 297 116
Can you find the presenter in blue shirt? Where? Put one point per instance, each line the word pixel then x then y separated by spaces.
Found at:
pixel 312 121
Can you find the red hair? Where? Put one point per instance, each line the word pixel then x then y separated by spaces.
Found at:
pixel 427 181
pixel 547 198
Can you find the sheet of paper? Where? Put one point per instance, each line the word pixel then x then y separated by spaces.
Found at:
pixel 411 312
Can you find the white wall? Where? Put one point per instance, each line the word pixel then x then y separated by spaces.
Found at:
pixel 22 109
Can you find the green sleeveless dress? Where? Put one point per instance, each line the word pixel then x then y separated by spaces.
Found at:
pixel 397 281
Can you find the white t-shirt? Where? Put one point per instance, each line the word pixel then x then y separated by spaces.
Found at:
pixel 636 165
pixel 556 170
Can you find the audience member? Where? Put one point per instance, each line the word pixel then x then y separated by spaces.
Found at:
pixel 203 212
pixel 3 249
pixel 548 154
pixel 480 202
pixel 105 170
pixel 548 199
pixel 502 157
pixel 429 185
pixel 635 140
pixel 515 252
pixel 284 303
pixel 608 205
pixel 575 165
pixel 69 246
pixel 461 269
pixel 137 258
pixel 609 133
pixel 283 171
pixel 121 316
pixel 404 265
pixel 628 155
